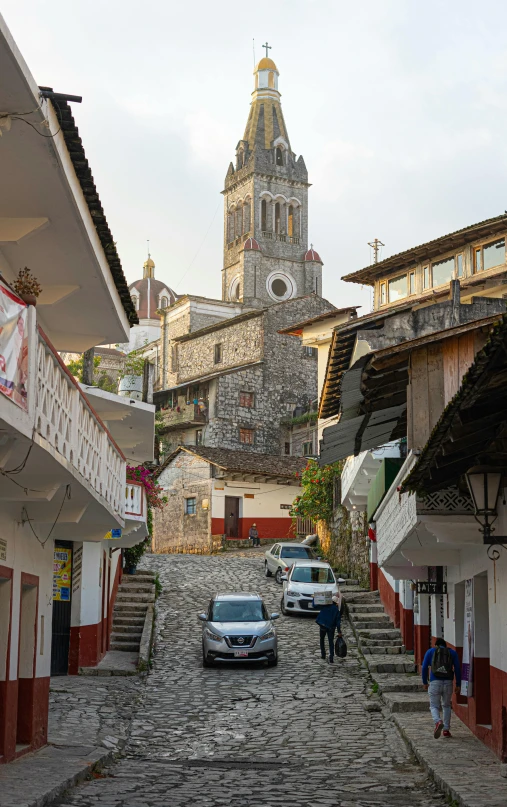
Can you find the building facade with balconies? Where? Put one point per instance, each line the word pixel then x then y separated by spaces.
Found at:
pixel 63 473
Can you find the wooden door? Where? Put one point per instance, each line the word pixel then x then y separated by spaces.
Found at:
pixel 231 516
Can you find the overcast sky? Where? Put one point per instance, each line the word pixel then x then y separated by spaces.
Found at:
pixel 399 108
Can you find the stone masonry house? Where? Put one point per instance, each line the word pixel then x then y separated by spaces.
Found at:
pixel 215 492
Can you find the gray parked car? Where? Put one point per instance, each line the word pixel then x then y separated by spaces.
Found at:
pixel 237 627
pixel 281 556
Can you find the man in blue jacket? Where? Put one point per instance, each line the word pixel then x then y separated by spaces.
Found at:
pixel 443 665
pixel 329 620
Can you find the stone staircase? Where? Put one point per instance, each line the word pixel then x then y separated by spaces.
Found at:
pixel 136 594
pixel 382 647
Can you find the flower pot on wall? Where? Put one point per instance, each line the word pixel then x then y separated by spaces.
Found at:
pixel 29 299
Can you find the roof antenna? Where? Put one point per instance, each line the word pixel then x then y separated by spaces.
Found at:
pixel 375 245
pixel 148 242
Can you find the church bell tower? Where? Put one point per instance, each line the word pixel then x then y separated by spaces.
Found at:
pixel 266 255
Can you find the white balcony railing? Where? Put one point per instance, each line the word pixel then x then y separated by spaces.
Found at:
pixel 134 500
pixel 65 418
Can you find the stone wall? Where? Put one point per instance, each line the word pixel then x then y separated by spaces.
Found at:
pixel 186 476
pixel 241 343
pixel 344 541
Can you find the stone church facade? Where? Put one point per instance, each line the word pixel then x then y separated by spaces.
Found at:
pixel 227 377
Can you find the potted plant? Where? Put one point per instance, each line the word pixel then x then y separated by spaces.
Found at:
pixel 27 286
pixel 133 555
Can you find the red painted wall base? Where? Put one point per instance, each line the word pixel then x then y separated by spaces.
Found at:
pixel 421 642
pixel 390 598
pixel 407 626
pixel 373 577
pixel 23 715
pixel 277 529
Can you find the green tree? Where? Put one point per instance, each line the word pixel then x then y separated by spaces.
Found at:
pixel 75 366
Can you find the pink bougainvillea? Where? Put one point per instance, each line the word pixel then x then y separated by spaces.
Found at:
pixel 145 477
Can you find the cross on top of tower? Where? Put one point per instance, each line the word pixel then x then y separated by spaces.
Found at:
pixel 268 47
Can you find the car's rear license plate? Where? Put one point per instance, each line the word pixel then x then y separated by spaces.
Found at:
pixel 240 654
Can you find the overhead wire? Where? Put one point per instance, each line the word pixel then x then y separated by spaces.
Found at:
pixel 66 496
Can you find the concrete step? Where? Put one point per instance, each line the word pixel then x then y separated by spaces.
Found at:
pixel 128 630
pixel 362 597
pixel 371 624
pixel 407 701
pixel 134 619
pixel 367 608
pixel 141 573
pixel 127 647
pixel 383 650
pixel 379 633
pixel 131 598
pixel 390 664
pixel 365 642
pixel 396 682
pixel 137 588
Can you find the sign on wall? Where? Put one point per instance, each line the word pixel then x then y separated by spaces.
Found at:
pixel 468 641
pixel 13 348
pixel 62 571
pixel 429 587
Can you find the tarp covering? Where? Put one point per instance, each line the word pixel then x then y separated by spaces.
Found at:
pixel 13 347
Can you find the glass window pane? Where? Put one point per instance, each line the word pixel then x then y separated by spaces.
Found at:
pixel 382 293
pixel 459 264
pixel 443 271
pixel 493 254
pixel 411 283
pixel 426 277
pixel 478 260
pixel 397 288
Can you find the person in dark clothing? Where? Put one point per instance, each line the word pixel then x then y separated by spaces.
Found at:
pixel 329 620
pixel 254 535
pixel 443 670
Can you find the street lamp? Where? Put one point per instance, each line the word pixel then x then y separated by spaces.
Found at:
pixel 484 488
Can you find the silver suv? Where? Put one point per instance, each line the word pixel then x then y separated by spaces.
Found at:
pixel 237 627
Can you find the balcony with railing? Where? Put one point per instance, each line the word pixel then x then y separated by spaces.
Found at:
pixel 415 532
pixel 135 501
pixel 56 443
pixel 286 239
pixel 185 414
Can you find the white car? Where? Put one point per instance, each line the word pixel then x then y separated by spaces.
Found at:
pixel 303 581
pixel 280 557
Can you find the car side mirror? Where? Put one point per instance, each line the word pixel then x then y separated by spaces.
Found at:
pixel 283 577
pixel 341 580
pixel 275 616
pixel 202 617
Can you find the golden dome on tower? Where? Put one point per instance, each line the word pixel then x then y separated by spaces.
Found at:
pixel 149 264
pixel 266 64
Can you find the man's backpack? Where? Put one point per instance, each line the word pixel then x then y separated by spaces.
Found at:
pixel 442 665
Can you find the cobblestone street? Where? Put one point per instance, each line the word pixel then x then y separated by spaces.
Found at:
pixel 296 734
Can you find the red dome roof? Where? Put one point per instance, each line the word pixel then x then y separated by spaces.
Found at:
pixel 311 255
pixel 149 293
pixel 251 243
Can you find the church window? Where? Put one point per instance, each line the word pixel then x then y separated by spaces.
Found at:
pixel 264 215
pixel 230 227
pixel 238 291
pixel 239 221
pixel 246 436
pixel 279 287
pixel 218 353
pixel 135 300
pixel 291 222
pixel 271 79
pixel 277 217
pixel 163 302
pixel 279 156
pixel 246 218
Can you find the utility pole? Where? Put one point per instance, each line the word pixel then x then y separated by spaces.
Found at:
pixel 375 245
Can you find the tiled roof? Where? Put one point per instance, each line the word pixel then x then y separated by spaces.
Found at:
pixel 244 461
pixel 429 249
pixel 83 172
pixel 470 428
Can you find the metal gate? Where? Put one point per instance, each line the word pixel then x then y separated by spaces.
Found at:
pixel 62 596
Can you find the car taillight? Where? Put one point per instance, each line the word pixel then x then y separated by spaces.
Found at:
pixel 287 568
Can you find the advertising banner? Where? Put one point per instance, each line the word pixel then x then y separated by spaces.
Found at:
pixel 62 571
pixel 13 347
pixel 468 641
